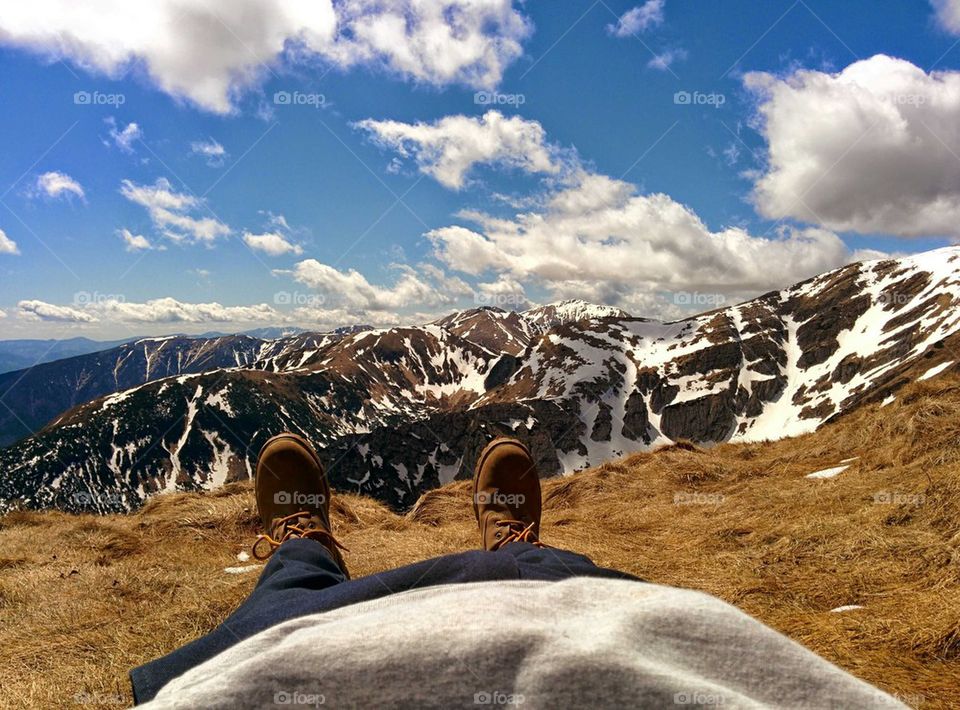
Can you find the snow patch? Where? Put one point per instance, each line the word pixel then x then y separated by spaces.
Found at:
pixel 241 570
pixel 934 371
pixel 828 472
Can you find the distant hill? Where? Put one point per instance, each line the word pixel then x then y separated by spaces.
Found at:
pixel 21 354
pixel 24 354
pixel 267 333
pixel 35 396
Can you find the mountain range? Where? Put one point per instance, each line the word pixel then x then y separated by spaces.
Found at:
pixel 22 354
pixel 26 354
pixel 398 411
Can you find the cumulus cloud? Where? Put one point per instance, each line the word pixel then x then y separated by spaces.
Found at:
pixel 351 289
pixel 214 153
pixel 56 184
pixel 272 243
pixel 329 318
pixel 948 15
pixel 162 313
pixel 871 149
pixel 134 242
pixel 170 310
pixel 125 137
pixel 599 240
pixel 174 213
pixel 448 148
pixel 449 41
pixel 7 245
pixel 160 310
pixel 505 292
pixel 208 52
pixel 39 310
pixel 638 19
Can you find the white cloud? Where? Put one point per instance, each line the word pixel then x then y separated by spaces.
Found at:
pixel 124 138
pixel 170 310
pixel 448 148
pixel 599 240
pixel 277 220
pixel 171 211
pixel 3 313
pixel 731 154
pixel 272 243
pixel 442 42
pixel 665 59
pixel 134 242
pixel 160 313
pixel 208 52
pixel 351 290
pixel 871 149
pixel 505 292
pixel 38 310
pixel 56 184
pixel 214 153
pixel 948 15
pixel 7 245
pixel 329 318
pixel 638 19
pixel 160 310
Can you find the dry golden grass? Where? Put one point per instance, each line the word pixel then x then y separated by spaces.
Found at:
pixel 83 599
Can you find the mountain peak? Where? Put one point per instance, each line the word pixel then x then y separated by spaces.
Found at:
pixel 569 311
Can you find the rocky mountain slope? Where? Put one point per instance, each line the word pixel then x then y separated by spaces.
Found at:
pixel 22 354
pixel 403 410
pixel 37 395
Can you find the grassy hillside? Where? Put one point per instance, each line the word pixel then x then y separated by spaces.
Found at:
pixel 83 599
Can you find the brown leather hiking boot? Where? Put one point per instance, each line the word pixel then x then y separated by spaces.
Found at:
pixel 506 495
pixel 293 497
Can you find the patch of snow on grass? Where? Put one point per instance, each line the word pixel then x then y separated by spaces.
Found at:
pixel 828 472
pixel 241 570
pixel 934 371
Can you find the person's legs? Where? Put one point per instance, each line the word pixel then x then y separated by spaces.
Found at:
pixel 305 574
pixel 297 564
pixel 552 564
pixel 302 579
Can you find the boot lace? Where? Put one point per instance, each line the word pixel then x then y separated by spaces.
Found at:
pixel 291 527
pixel 519 532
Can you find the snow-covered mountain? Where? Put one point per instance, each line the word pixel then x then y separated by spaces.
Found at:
pixel 570 311
pixel 400 410
pixel 35 396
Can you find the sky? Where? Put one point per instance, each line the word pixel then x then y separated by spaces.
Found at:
pixel 185 166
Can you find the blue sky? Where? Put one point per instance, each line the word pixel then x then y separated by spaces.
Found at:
pixel 154 179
